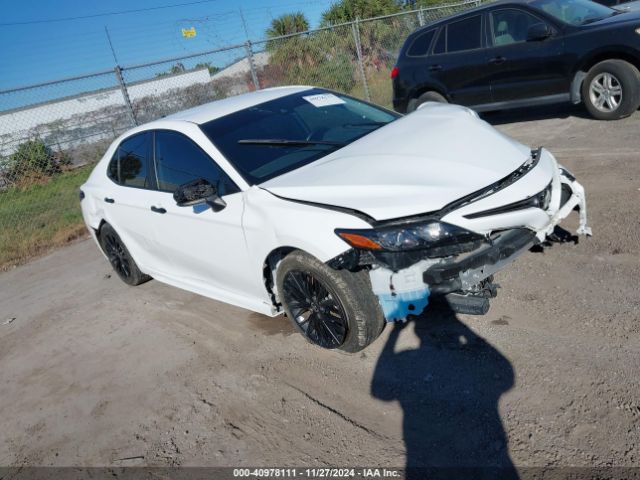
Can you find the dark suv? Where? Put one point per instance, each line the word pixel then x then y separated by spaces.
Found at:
pixel 520 53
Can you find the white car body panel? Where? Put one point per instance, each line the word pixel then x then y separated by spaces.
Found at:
pixel 409 166
pixel 415 165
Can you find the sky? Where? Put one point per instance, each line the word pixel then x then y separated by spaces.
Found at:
pixel 41 42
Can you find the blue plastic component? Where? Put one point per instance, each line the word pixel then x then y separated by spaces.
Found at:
pixel 398 306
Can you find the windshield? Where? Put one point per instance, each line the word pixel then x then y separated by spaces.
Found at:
pixel 574 12
pixel 275 137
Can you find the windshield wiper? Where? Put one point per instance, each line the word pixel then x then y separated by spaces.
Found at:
pixel 282 142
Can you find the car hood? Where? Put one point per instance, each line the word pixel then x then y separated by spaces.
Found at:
pixel 416 164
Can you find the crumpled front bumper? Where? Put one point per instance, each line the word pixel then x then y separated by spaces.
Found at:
pixel 407 291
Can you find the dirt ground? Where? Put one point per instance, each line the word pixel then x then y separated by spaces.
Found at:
pixel 95 373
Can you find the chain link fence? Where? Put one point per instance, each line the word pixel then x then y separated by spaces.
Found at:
pixel 49 131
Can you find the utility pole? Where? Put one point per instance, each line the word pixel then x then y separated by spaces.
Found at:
pixel 113 52
pixel 244 24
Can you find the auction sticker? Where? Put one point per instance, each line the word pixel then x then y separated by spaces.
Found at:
pixel 323 100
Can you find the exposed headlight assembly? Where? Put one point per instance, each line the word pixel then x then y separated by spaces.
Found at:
pixel 417 236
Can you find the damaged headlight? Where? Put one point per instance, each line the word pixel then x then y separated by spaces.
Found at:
pixel 427 235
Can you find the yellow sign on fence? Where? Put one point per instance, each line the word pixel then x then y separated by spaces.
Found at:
pixel 189 32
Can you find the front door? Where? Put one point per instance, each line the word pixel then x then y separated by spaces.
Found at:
pixel 521 69
pixel 203 248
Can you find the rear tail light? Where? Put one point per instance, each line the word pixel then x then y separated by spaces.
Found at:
pixel 394 72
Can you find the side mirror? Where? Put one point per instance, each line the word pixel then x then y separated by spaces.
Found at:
pixel 197 192
pixel 538 32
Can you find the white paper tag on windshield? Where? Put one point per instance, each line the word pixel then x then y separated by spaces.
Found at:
pixel 323 100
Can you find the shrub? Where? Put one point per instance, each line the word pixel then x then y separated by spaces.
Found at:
pixel 34 159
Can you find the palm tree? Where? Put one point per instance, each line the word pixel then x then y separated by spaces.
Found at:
pixel 288 24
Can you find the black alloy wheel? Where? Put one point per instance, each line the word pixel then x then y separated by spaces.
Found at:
pixel 316 311
pixel 117 256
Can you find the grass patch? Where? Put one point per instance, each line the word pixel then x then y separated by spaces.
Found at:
pixel 37 218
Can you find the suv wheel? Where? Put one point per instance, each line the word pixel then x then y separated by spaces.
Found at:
pixel 611 90
pixel 120 258
pixel 424 98
pixel 333 309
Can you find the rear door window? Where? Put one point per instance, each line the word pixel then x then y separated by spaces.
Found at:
pixel 130 163
pixel 420 45
pixel 464 34
pixel 441 42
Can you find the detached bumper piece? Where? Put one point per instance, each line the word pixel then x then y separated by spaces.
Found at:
pixel 465 273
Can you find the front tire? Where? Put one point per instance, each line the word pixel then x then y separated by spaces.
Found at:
pixel 611 90
pixel 334 309
pixel 120 258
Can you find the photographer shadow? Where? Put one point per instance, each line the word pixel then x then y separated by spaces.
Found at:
pixel 448 388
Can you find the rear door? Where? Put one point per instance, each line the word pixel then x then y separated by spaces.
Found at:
pixel 520 69
pixel 459 61
pixel 126 200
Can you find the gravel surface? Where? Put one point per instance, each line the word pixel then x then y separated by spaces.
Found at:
pixel 95 373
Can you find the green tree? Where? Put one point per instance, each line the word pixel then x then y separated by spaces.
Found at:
pixel 311 60
pixel 348 10
pixel 288 24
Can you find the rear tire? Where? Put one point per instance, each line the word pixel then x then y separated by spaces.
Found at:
pixel 333 309
pixel 120 258
pixel 611 90
pixel 430 96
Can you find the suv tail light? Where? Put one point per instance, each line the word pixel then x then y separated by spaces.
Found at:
pixel 394 72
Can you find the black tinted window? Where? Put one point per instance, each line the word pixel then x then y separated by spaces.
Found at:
pixel 129 164
pixel 421 44
pixel 465 34
pixel 441 43
pixel 179 160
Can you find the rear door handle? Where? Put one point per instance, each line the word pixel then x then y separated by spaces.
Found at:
pixel 158 209
pixel 109 200
pixel 497 60
pixel 435 68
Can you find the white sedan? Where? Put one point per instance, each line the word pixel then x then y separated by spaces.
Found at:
pixel 337 212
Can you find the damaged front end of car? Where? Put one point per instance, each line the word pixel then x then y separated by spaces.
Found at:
pixel 412 262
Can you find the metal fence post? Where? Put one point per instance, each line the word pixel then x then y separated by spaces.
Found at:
pixel 125 95
pixel 356 37
pixel 252 65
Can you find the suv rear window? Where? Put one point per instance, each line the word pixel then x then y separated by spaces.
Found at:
pixel 464 34
pixel 420 45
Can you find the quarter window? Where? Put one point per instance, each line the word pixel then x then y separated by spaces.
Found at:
pixel 464 34
pixel 179 160
pixel 421 44
pixel 128 166
pixel 511 26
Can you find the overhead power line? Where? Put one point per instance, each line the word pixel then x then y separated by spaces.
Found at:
pixel 95 15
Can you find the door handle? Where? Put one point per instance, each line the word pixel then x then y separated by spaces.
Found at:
pixel 497 60
pixel 158 209
pixel 109 200
pixel 435 68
